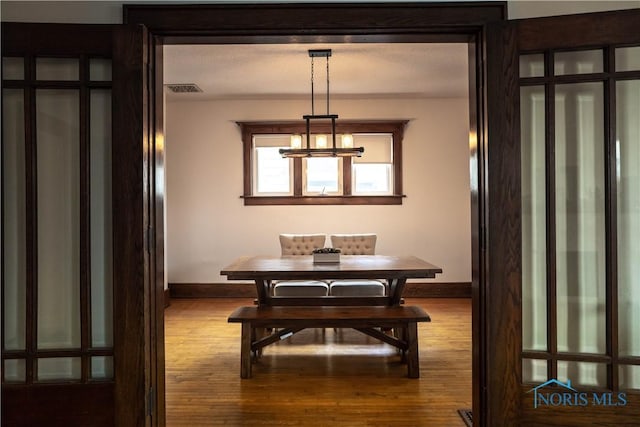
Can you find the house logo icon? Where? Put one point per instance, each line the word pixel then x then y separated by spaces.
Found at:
pixel 553 381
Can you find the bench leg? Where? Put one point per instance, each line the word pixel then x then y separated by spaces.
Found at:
pixel 245 350
pixel 413 358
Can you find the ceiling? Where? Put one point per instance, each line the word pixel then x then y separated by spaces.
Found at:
pixel 416 70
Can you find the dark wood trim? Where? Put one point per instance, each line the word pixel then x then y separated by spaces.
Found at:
pixel 536 34
pixel 248 290
pixel 500 304
pixel 55 41
pixel 85 216
pixel 566 416
pixel 249 129
pixel 31 188
pixel 476 179
pixel 212 290
pixel 167 298
pixel 130 221
pixel 282 23
pixel 611 209
pixel 59 405
pixel 157 221
pixel 322 200
pixel 550 213
pixel 437 290
pixel 364 23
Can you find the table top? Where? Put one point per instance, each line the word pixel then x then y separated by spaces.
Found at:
pixel 301 267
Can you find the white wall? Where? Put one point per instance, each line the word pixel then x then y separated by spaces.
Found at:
pixel 208 224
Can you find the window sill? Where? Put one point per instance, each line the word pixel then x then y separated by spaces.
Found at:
pixel 322 200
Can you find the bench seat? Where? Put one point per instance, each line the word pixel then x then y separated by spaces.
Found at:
pixel 366 319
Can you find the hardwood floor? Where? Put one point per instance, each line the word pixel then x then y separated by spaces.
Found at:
pixel 316 377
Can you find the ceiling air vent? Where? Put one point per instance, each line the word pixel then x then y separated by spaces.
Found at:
pixel 184 88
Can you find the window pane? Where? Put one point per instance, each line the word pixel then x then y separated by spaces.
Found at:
pixel 578 62
pixel 532 65
pixel 534 370
pixel 371 178
pixel 59 368
pixel 534 229
pixel 583 373
pixel 12 68
pixel 101 225
pixel 272 171
pixel 629 376
pixel 322 175
pixel 100 69
pixel 378 147
pixel 58 177
pixel 628 210
pixel 57 69
pixel 14 220
pixel 628 58
pixel 102 367
pixel 580 218
pixel 14 370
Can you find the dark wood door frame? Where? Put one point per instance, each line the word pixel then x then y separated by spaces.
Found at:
pixel 458 22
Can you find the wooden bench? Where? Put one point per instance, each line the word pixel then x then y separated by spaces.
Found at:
pixel 369 320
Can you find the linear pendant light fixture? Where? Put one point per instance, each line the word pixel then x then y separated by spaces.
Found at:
pixel 321 149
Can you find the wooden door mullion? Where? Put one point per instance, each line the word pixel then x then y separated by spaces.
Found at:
pixel 550 172
pixel 611 220
pixel 31 199
pixel 85 219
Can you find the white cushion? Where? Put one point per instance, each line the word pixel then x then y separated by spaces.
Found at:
pixel 357 288
pixel 301 288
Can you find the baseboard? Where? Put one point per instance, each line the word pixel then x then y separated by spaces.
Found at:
pixel 167 298
pixel 248 290
pixel 437 290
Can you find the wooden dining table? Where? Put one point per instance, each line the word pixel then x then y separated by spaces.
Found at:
pixel 395 270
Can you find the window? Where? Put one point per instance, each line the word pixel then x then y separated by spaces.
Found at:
pixel 374 178
pixel 272 174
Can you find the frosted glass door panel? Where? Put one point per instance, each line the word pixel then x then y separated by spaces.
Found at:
pixel 630 377
pixel 532 65
pixel 628 207
pixel 534 371
pixel 583 373
pixel 580 219
pixel 101 224
pixel 13 68
pixel 14 370
pixel 57 69
pixel 102 367
pixel 628 58
pixel 58 188
pixel 14 224
pixel 578 62
pixel 59 368
pixel 534 251
pixel 100 69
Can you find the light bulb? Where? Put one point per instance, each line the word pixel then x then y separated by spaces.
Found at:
pixel 296 142
pixel 321 141
pixel 347 140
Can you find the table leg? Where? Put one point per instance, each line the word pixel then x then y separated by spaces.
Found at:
pixel 245 350
pixel 396 287
pixel 413 357
pixel 263 288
